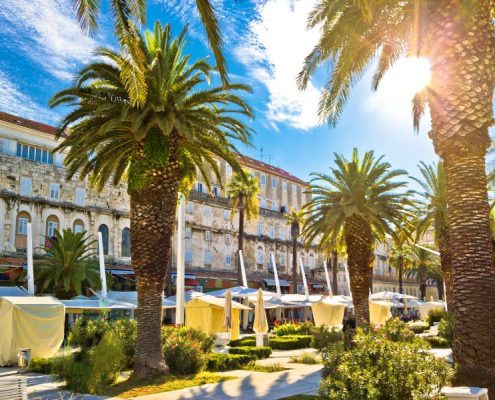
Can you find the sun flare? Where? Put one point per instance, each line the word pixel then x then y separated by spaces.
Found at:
pixel 411 75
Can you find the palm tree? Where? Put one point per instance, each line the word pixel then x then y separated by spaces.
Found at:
pixel 184 125
pixel 423 264
pixel 294 219
pixel 399 254
pixel 458 38
pixel 126 13
pixel 362 199
pixel 242 191
pixel 433 213
pixel 68 267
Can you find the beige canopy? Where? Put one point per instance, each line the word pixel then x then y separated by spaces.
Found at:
pixel 32 322
pixel 328 313
pixel 379 312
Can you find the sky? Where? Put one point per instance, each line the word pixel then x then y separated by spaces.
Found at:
pixel 42 48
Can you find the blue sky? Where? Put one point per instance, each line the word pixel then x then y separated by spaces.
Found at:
pixel 41 48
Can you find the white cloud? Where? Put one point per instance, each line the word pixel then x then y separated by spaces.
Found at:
pixel 46 31
pixel 14 101
pixel 273 54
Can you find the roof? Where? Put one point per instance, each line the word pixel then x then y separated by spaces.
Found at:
pixel 260 165
pixel 32 300
pixel 12 291
pixel 27 123
pixel 218 302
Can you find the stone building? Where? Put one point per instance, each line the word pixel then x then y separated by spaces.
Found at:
pixel 33 188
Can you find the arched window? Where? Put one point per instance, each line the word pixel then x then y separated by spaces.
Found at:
pixel 126 242
pixel 260 256
pixel 52 225
pixel 78 226
pixel 311 261
pixel 104 235
pixel 23 218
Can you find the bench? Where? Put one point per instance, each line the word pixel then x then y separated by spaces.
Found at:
pixel 13 388
pixel 465 393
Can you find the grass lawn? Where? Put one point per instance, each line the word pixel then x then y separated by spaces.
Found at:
pixel 302 397
pixel 265 368
pixel 129 388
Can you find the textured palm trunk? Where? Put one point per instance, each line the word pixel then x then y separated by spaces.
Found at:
pixel 152 226
pixel 294 264
pixel 422 285
pixel 335 273
pixel 446 265
pixel 441 294
pixel 461 100
pixel 359 243
pixel 240 244
pixel 401 273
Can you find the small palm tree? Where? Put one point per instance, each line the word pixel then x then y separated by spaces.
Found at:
pixel 68 267
pixel 155 148
pixel 399 254
pixel 361 200
pixel 423 263
pixel 295 220
pixel 242 191
pixel 433 213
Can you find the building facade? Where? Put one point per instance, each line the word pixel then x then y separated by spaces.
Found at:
pixel 34 189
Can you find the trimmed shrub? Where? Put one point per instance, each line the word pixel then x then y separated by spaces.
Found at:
pixel 75 370
pixel 435 316
pixel 323 337
pixel 305 358
pixel 257 352
pixel 246 341
pixel 41 365
pixel 397 331
pixel 227 362
pixel 437 342
pixel 418 328
pixel 446 328
pixel 377 366
pixel 290 342
pixel 87 333
pixel 303 328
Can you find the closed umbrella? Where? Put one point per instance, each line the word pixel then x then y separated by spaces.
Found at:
pixel 227 316
pixel 260 323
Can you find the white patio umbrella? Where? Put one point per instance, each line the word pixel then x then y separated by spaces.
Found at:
pixel 227 310
pixel 260 324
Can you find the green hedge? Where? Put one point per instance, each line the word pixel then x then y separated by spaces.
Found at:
pixel 290 342
pixel 437 342
pixel 227 362
pixel 247 341
pixel 41 365
pixel 418 328
pixel 258 352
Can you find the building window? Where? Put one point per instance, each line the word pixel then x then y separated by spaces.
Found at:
pixel 228 261
pixel 207 211
pixel 200 187
pixel 294 189
pixel 34 153
pixel 284 185
pixel 188 256
pixel 228 169
pixel 312 261
pixel 275 206
pixel 262 202
pixel 190 207
pixel 54 190
pixel 188 232
pixel 228 239
pixel 78 226
pixel 260 229
pixel 263 179
pixel 208 236
pixel 126 243
pixel 208 257
pixel 282 259
pixel 26 186
pixel 104 236
pixel 80 196
pixel 23 218
pixel 274 183
pixel 216 191
pixel 51 226
pixel 260 256
pixel 226 214
pixel 271 232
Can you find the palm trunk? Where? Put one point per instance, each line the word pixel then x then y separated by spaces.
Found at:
pixel 401 272
pixel 240 244
pixel 422 285
pixel 461 100
pixel 359 243
pixel 152 226
pixel 446 265
pixel 294 264
pixel 439 282
pixel 335 273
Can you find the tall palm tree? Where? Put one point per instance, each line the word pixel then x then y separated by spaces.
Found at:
pixel 362 199
pixel 399 254
pixel 242 191
pixel 68 267
pixel 423 264
pixel 155 149
pixel 294 219
pixel 458 38
pixel 433 213
pixel 126 13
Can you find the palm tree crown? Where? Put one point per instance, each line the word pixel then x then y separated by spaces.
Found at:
pixel 242 191
pixel 182 117
pixel 295 219
pixel 68 267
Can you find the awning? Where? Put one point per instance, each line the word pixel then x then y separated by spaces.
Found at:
pixel 271 282
pixel 186 276
pixel 317 286
pixel 121 272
